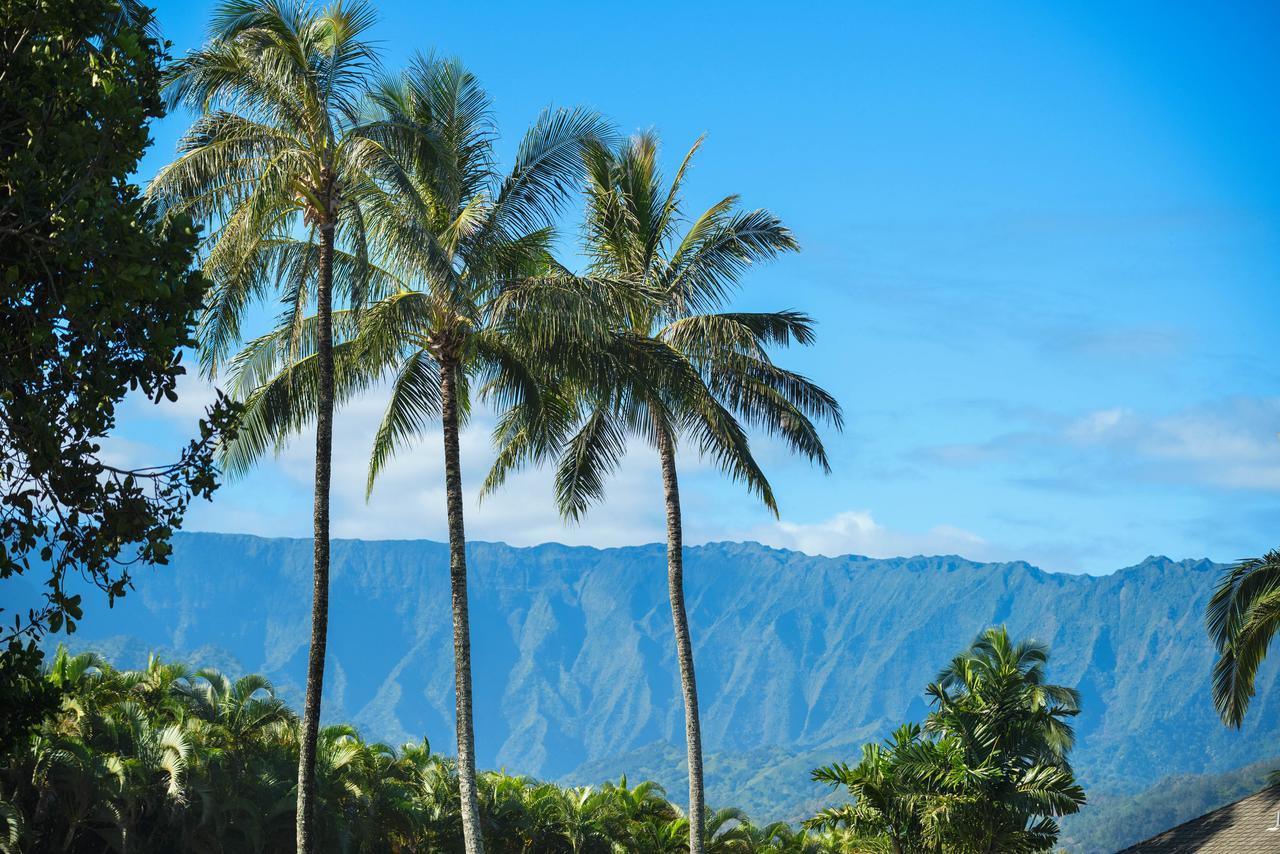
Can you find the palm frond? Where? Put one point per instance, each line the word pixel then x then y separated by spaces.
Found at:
pixel 588 459
pixel 717 250
pixel 413 408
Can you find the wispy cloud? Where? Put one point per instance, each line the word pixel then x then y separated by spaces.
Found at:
pixel 408 501
pixel 1228 444
pixel 857 532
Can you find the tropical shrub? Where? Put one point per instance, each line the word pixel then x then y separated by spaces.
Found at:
pixel 988 770
pixel 167 758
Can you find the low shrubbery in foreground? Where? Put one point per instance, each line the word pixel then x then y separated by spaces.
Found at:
pixel 170 759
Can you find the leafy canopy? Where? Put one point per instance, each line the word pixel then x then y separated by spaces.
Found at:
pixel 172 758
pixel 988 771
pixel 97 299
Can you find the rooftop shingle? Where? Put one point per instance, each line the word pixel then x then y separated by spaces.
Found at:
pixel 1244 827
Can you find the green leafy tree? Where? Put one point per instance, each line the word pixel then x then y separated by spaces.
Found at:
pixel 1243 616
pixel 97 298
pixel 676 367
pixel 274 163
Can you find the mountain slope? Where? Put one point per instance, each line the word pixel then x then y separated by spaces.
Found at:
pixel 1111 822
pixel 799 658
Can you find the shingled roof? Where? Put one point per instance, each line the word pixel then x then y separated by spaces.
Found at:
pixel 1245 827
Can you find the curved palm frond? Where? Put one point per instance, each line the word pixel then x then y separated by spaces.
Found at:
pixel 1243 616
pixel 413 408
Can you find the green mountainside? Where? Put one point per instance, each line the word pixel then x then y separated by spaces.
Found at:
pixel 800 658
pixel 1111 822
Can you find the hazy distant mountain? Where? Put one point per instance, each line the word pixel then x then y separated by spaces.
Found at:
pixel 799 658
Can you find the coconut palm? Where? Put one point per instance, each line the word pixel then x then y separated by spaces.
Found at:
pixel 274 155
pixel 1243 616
pixel 681 368
pixel 472 302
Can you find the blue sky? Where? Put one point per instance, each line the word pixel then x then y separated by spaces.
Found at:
pixel 1042 242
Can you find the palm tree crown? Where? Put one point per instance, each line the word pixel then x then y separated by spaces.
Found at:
pixel 680 365
pixel 274 159
pixel 672 365
pixel 275 164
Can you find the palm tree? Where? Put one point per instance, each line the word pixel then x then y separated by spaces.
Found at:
pixel 884 807
pixel 275 153
pixel 680 367
pixel 997 687
pixel 472 293
pixel 1001 752
pixel 987 772
pixel 164 759
pixel 1243 616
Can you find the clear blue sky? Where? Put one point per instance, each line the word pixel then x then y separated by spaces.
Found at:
pixel 1042 241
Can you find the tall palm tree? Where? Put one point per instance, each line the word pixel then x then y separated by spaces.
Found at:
pixel 1243 616
pixel 273 155
pixel 680 367
pixel 473 301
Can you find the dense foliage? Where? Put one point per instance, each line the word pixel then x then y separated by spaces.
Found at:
pixel 170 759
pixel 987 772
pixel 97 298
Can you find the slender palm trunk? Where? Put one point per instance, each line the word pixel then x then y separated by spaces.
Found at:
pixel 320 569
pixel 461 621
pixel 684 645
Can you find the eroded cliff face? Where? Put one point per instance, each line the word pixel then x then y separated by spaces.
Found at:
pixel 799 658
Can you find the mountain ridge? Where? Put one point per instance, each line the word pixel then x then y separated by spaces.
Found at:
pixel 800 658
pixel 1151 558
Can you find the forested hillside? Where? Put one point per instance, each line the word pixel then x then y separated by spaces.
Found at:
pixel 800 658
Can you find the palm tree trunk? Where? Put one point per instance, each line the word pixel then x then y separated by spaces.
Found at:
pixel 684 646
pixel 320 568
pixel 471 834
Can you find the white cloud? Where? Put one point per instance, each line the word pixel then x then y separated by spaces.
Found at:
pixel 408 501
pixel 1229 444
pixel 1096 424
pixel 1232 444
pixel 857 532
